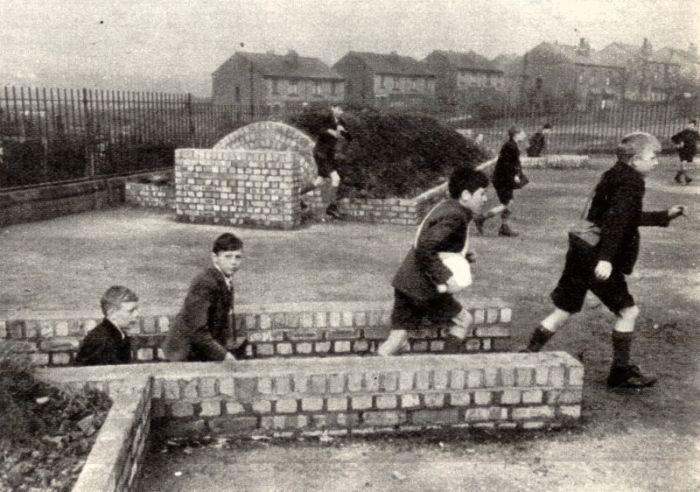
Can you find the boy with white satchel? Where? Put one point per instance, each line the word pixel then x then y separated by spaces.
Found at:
pixel 603 248
pixel 438 266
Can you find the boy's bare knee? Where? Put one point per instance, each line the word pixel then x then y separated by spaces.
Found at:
pixel 629 313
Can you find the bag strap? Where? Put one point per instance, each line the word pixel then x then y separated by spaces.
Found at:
pixel 465 248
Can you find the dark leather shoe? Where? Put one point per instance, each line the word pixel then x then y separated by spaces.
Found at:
pixel 333 212
pixel 507 231
pixel 630 377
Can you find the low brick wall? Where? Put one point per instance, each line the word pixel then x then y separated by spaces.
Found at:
pixel 252 187
pixel 150 195
pixel 47 202
pixel 115 458
pixel 556 161
pixel 274 330
pixel 367 395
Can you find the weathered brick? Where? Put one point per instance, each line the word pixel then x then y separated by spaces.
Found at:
pixel 334 319
pixel 575 376
pixel 385 418
pixel 322 347
pixel 486 344
pixel 492 315
pixel 423 380
pixel 264 349
pixel 434 400
pixel 371 382
pixel 472 345
pixel 355 382
pixel 304 348
pixel 376 333
pixel 360 318
pixel 541 375
pixel 384 402
pixel 556 376
pixel 284 348
pixel 226 386
pixel 337 404
pixel 341 346
pixel 558 397
pixel 506 315
pixel 570 411
pixel 492 331
pixel 429 417
pixel 523 376
pixel 510 397
pixel 360 346
pixel 62 329
pixel 210 408
pixel 312 404
pixel 482 397
pixel 60 359
pixel 348 419
pixel 457 379
pixel 532 396
pixel 181 409
pixel 171 389
pixel 207 387
pixel 485 413
pixel 533 425
pixel 336 383
pixel 318 383
pixel 475 378
pixel 460 399
pixel 233 408
pixel 410 401
pixel 39 359
pixel 361 402
pixel 389 381
pixel 440 379
pixel 262 406
pixel 507 376
pixel 265 385
pixel 479 316
pixel 541 411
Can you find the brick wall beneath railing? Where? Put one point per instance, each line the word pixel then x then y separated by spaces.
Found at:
pixel 256 188
pixel 150 195
pixel 273 330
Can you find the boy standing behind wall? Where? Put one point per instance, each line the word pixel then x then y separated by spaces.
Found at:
pixel 202 326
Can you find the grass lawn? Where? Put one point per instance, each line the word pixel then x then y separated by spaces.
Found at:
pixel 65 264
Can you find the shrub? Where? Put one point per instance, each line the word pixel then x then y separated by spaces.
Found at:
pixel 394 154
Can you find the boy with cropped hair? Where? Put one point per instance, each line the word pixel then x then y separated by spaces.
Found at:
pixel 108 343
pixel 687 143
pixel 423 284
pixel 204 324
pixel 616 208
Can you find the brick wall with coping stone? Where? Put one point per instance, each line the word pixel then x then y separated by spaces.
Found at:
pixel 556 161
pixel 115 458
pixel 314 329
pixel 367 395
pixel 150 195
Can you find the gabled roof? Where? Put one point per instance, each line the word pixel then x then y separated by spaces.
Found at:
pixel 675 56
pixel 622 54
pixel 468 61
pixel 571 53
pixel 392 64
pixel 290 65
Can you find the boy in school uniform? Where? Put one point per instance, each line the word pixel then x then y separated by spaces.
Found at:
pixel 538 142
pixel 108 342
pixel 202 326
pixel 616 208
pixel 687 142
pixel 422 285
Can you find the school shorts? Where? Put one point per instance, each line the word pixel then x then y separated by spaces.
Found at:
pixel 408 312
pixel 505 195
pixel 578 278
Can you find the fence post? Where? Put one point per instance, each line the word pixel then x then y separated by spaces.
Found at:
pixel 190 119
pixel 89 151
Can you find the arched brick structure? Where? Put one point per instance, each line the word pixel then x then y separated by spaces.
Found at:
pixel 273 135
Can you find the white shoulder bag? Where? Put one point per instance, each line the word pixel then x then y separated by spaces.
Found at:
pixel 455 262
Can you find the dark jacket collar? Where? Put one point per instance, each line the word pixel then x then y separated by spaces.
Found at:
pixel 113 329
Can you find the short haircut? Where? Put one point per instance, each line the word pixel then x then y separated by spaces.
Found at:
pixel 227 242
pixel 466 178
pixel 115 296
pixel 634 144
pixel 547 126
pixel 513 131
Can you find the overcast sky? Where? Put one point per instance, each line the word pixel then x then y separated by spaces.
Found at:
pixel 192 37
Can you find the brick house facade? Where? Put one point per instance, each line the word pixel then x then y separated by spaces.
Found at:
pixel 266 83
pixel 464 78
pixel 386 80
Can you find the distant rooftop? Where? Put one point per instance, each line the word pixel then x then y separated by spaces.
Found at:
pixel 290 65
pixel 468 61
pixel 392 63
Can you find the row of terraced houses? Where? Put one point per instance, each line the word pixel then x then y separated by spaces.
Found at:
pixel 547 75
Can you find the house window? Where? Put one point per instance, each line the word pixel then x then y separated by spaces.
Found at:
pixel 396 83
pixel 317 87
pixel 381 81
pixel 333 88
pixel 238 94
pixel 275 86
pixel 607 81
pixel 293 89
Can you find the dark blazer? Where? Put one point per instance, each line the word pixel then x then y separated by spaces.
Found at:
pixel 507 166
pixel 421 270
pixel 104 345
pixel 689 138
pixel 202 327
pixel 537 145
pixel 617 209
pixel 324 150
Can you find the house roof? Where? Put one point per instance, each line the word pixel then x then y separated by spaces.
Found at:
pixel 392 63
pixel 290 65
pixel 468 61
pixel 676 56
pixel 622 53
pixel 571 53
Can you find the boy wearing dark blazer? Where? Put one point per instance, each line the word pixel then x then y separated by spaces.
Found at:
pixel 616 208
pixel 108 342
pixel 422 283
pixel 687 143
pixel 203 325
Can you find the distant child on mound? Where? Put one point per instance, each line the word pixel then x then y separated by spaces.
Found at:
pixel 108 343
pixel 687 142
pixel 538 142
pixel 423 285
pixel 204 323
pixel 616 210
pixel 507 176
